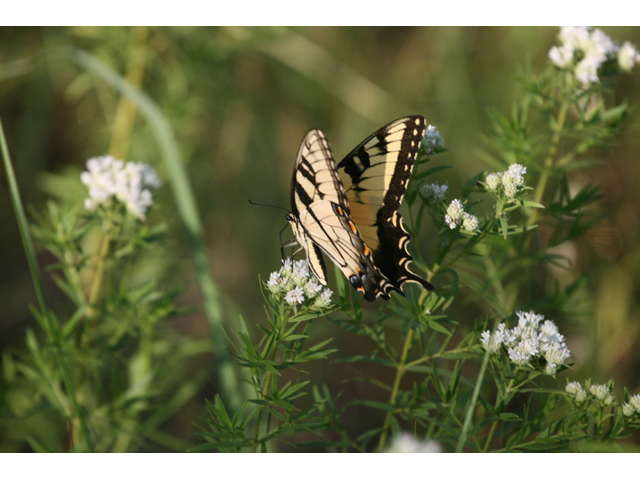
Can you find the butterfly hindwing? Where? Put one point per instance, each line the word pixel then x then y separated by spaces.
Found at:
pixel 375 177
pixel 349 211
pixel 329 226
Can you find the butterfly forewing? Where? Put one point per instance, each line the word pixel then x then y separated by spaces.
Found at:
pixel 315 176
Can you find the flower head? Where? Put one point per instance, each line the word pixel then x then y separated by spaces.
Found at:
pixel 469 222
pixel 455 213
pixel 628 56
pixel 635 402
pixel 324 299
pixel 628 410
pixel 562 56
pixel 523 352
pixel 296 285
pixel 493 182
pixel 433 192
pixel 601 392
pixel 587 50
pixel 492 341
pixel 128 183
pixel 577 391
pixel 294 296
pixel 407 443
pixel 432 141
pixel 508 182
pixel 533 338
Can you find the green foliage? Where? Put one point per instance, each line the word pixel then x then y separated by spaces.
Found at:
pixel 282 346
pixel 508 404
pixel 123 370
pixel 103 368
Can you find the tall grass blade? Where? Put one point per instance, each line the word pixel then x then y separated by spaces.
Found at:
pixel 52 328
pixel 472 404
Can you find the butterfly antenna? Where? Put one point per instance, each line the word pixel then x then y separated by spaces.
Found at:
pixel 265 205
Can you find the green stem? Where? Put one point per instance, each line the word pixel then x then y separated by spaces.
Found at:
pixel 272 349
pixel 401 368
pixel 52 329
pixel 489 437
pixel 472 404
pixel 548 162
pixel 256 432
pixel 97 278
pixel 435 355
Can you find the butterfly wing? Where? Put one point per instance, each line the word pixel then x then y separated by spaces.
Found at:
pixel 320 219
pixel 375 177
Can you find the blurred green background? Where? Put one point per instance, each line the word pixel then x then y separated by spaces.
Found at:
pixel 240 100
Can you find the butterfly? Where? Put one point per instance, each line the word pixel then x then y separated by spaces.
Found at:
pixel 349 211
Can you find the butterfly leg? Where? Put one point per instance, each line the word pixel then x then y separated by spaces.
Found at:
pixel 289 243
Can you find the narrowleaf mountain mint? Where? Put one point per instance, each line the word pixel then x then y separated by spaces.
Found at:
pixel 562 56
pixel 432 141
pixel 433 192
pixel 577 391
pixel 294 296
pixel 324 299
pixel 628 56
pixel 455 214
pixel 407 443
pixel 295 284
pixel 128 183
pixel 528 341
pixel 492 182
pixel 591 49
pixel 601 392
pixel 470 222
pixel 517 172
pixel 635 402
pixel 522 353
pixel 312 288
pixel 508 182
pixel 455 211
pixel 628 410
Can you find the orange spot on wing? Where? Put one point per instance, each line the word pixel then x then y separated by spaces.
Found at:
pixel 353 227
pixel 366 250
pixel 340 211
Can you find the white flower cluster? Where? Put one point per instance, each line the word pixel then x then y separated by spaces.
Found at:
pixel 633 407
pixel 128 183
pixel 508 181
pixel 602 393
pixel 577 391
pixel 298 284
pixel 432 141
pixel 529 340
pixel 433 192
pixel 456 216
pixel 593 49
pixel 599 391
pixel 628 56
pixel 407 443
